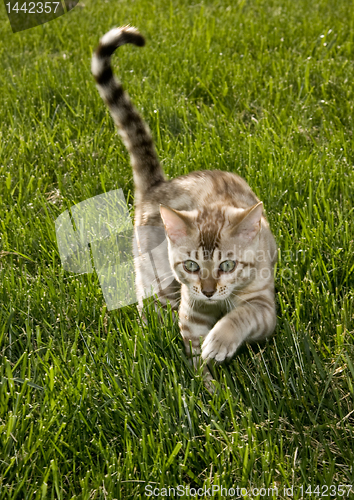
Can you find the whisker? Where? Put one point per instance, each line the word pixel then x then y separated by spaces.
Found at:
pixel 160 282
pixel 169 273
pixel 229 304
pixel 169 294
pixel 162 279
pixel 246 302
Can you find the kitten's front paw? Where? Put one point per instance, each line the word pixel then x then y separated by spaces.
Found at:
pixel 219 345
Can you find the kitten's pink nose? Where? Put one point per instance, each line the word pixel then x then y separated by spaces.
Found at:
pixel 208 287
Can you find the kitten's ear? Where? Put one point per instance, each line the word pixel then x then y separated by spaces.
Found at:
pixel 250 224
pixel 176 224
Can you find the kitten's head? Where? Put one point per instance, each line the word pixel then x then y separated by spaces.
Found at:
pixel 213 251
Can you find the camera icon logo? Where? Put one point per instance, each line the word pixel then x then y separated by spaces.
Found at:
pixel 105 240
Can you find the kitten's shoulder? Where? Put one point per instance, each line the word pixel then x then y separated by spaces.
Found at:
pixel 200 189
pixel 215 186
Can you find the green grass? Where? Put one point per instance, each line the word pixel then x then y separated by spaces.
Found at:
pixel 92 404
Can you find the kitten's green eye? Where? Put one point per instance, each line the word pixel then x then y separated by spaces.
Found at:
pixel 190 266
pixel 227 266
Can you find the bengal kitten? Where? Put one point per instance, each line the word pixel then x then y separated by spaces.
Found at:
pixel 217 264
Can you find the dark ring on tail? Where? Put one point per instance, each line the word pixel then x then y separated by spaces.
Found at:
pixel 125 37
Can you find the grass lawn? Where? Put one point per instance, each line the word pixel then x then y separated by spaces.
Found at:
pixel 92 404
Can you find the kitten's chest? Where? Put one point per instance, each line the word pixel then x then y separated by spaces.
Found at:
pixel 212 311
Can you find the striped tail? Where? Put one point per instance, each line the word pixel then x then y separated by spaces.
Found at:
pixel 136 136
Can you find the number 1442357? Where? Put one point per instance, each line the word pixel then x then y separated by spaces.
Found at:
pixel 334 491
pixel 33 7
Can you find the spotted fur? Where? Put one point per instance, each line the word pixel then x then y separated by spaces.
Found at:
pixel 208 217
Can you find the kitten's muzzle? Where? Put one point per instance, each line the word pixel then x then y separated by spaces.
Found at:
pixel 208 287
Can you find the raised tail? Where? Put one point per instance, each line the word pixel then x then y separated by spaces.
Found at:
pixel 136 136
